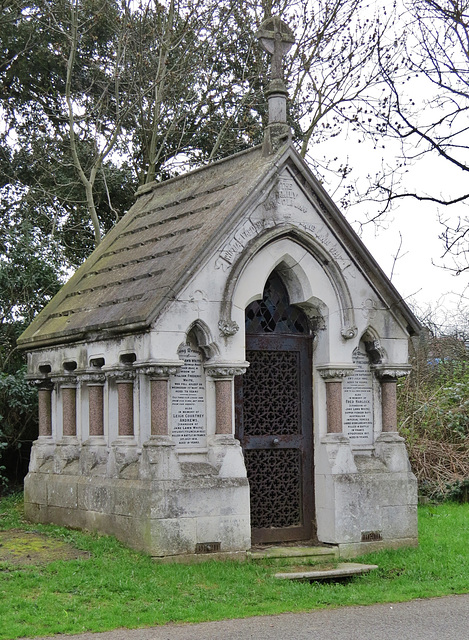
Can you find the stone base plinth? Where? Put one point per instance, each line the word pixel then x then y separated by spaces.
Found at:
pixel 164 517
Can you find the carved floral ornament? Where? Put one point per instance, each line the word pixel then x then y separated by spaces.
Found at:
pixel 92 377
pixel 65 380
pixel 121 375
pixel 226 370
pixel 41 383
pixel 228 327
pixel 391 371
pixel 160 370
pixel 335 372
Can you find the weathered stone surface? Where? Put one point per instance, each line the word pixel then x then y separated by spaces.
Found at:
pixel 341 570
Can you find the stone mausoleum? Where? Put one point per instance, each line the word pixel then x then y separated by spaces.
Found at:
pixel 221 372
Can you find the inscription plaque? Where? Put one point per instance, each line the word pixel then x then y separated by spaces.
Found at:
pixel 358 401
pixel 188 400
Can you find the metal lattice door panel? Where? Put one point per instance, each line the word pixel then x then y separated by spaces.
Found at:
pixel 274 479
pixel 274 425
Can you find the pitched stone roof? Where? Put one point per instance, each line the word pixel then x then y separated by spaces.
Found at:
pixel 148 257
pixel 145 259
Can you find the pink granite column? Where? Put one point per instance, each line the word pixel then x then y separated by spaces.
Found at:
pixel 389 404
pixel 224 407
pixel 159 406
pixel 223 375
pixel 334 406
pixel 125 404
pixel 69 410
pixel 96 408
pixel 45 411
pixel 333 376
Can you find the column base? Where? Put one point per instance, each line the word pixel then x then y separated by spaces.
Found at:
pixel 42 450
pixel 94 455
pixel 339 453
pixel 159 459
pixel 225 454
pixel 66 456
pixel 390 448
pixel 122 455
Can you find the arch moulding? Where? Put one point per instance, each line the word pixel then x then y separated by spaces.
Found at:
pixel 332 271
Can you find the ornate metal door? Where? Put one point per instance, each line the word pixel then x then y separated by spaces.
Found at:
pixel 274 417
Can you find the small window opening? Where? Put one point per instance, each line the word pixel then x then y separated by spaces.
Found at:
pixel 97 363
pixel 128 358
pixel 45 368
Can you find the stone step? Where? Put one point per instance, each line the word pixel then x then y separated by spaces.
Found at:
pixel 336 572
pixel 294 555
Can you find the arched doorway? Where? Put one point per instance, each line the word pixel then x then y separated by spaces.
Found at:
pixel 274 417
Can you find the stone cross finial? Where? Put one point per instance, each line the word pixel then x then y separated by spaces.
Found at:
pixel 276 38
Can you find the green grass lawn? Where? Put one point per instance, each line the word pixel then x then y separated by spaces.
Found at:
pixel 116 587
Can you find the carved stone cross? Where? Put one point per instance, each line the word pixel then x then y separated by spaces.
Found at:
pixel 276 38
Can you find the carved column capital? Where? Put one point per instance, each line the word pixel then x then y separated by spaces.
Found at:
pixel 224 370
pixel 391 371
pixel 159 370
pixel 121 375
pixel 335 372
pixel 92 377
pixel 65 381
pixel 40 383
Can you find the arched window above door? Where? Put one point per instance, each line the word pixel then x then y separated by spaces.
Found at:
pixel 274 313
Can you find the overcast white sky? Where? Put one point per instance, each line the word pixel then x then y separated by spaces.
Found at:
pixel 416 273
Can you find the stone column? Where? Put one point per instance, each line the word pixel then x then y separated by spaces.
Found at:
pixel 333 377
pixel 124 449
pixel 388 375
pixel 389 445
pixel 68 391
pixel 45 409
pixel 389 404
pixel 94 450
pixel 96 405
pixel 159 406
pixel 43 448
pixel 125 404
pixel 338 450
pixel 159 459
pixel 68 448
pixel 224 450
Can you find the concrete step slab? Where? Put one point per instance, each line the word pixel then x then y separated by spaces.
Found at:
pixel 294 555
pixel 340 570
